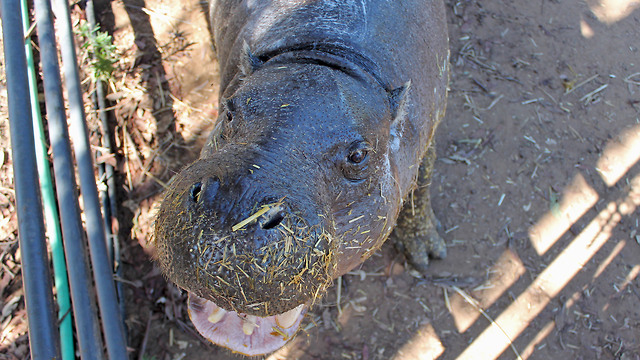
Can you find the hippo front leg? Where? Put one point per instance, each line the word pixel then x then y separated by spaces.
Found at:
pixel 416 233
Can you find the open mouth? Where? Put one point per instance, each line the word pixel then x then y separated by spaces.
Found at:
pixel 242 333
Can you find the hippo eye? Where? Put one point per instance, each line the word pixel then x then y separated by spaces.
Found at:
pixel 359 152
pixel 227 117
pixel 355 165
pixel 229 108
pixel 358 156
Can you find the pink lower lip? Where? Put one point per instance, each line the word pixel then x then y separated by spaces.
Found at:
pixel 248 335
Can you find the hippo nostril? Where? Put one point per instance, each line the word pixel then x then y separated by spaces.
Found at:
pixel 272 218
pixel 274 221
pixel 195 191
pixel 210 189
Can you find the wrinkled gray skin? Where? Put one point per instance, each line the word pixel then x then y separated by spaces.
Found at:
pixel 327 109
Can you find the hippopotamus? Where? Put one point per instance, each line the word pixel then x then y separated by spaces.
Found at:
pixel 323 145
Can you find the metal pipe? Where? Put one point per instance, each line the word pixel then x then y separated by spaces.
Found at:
pixel 52 222
pixel 110 206
pixel 43 334
pixel 102 269
pixel 87 327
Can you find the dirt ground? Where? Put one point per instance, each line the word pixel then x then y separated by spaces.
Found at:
pixel 537 186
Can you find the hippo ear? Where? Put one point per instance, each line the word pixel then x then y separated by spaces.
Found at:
pixel 248 62
pixel 399 100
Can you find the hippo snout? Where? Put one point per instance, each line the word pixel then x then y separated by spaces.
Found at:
pixel 249 249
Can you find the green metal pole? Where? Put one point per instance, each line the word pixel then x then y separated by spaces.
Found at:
pixel 50 210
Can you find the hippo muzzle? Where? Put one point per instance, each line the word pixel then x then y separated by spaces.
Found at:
pixel 251 253
pixel 243 242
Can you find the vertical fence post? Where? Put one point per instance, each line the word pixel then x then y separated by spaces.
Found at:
pixel 82 292
pixel 102 268
pixel 36 276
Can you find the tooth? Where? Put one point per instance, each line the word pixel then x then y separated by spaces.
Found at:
pixel 248 325
pixel 289 318
pixel 216 315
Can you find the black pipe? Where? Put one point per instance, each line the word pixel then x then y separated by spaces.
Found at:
pixel 102 269
pixel 85 314
pixel 110 208
pixel 44 338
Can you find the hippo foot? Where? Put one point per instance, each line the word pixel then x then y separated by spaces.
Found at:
pixel 418 238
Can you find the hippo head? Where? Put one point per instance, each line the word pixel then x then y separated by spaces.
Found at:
pixel 295 187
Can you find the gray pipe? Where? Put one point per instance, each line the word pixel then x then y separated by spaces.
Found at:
pixel 82 292
pixel 44 338
pixel 102 268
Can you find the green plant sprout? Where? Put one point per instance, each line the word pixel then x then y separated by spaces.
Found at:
pixel 101 50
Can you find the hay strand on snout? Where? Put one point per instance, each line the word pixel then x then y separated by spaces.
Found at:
pixel 253 217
